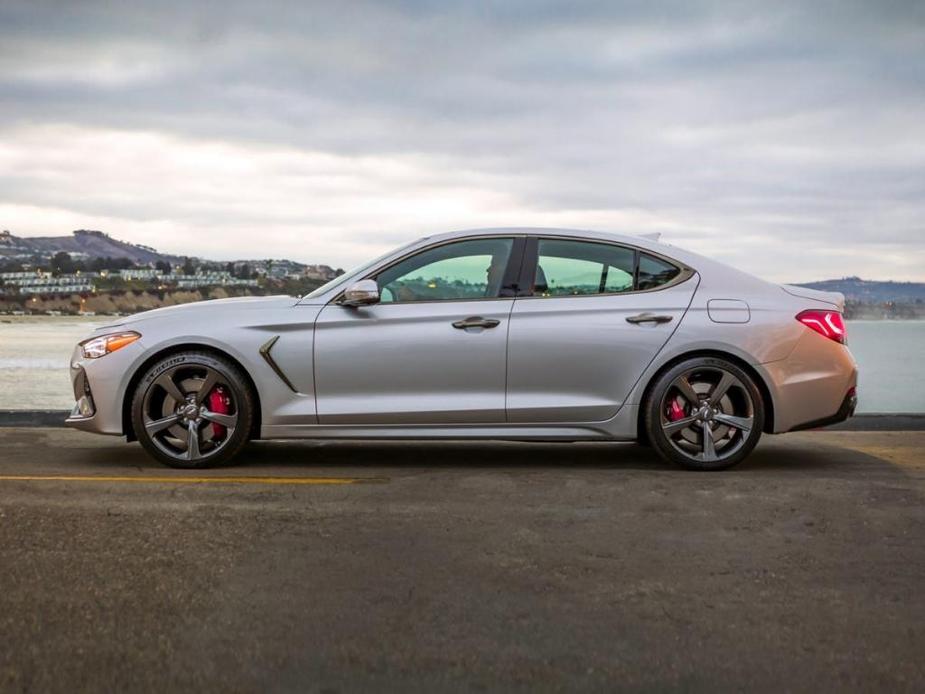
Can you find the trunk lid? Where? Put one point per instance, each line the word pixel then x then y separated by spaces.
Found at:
pixel 836 299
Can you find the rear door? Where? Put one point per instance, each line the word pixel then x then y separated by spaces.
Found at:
pixel 597 315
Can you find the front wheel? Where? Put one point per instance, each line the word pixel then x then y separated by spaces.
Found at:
pixel 704 413
pixel 193 410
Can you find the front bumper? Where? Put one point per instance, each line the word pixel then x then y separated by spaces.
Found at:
pixel 99 389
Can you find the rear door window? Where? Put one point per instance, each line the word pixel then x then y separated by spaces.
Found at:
pixel 572 268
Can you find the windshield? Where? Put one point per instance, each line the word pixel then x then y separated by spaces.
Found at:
pixel 337 281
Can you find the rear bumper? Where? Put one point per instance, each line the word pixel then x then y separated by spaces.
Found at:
pixel 848 406
pixel 816 385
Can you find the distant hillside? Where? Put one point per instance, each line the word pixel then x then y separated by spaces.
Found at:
pixel 871 291
pixel 82 243
pixel 88 245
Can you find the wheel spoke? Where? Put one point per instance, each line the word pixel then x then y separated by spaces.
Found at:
pixel 192 441
pixel 687 390
pixel 166 382
pixel 226 420
pixel 153 426
pixel 725 382
pixel 744 424
pixel 211 380
pixel 674 427
pixel 709 452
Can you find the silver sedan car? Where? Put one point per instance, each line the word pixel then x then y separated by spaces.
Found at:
pixel 518 334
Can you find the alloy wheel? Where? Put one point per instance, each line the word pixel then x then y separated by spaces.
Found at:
pixel 707 414
pixel 189 412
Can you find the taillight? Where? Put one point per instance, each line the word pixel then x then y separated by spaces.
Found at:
pixel 829 324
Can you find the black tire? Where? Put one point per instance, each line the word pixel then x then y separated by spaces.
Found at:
pixel 717 431
pixel 219 436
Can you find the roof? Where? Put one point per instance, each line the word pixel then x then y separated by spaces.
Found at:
pixel 643 240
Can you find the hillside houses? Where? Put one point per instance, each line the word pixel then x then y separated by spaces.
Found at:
pixel 90 272
pixel 41 283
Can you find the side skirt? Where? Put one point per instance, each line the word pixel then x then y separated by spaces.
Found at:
pixel 505 433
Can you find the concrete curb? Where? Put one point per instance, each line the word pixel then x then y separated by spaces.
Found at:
pixel 33 418
pixel 882 422
pixel 861 422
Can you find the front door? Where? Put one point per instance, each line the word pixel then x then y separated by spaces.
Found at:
pixel 433 351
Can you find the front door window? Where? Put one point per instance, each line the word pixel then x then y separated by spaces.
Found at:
pixel 466 270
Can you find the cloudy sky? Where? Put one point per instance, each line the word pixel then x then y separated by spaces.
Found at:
pixel 785 138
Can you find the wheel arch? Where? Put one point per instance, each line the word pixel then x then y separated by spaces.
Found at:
pixel 142 369
pixel 767 400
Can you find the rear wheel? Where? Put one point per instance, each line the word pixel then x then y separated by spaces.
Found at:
pixel 193 410
pixel 704 414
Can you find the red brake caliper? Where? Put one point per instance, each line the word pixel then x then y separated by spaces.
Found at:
pixel 675 411
pixel 220 403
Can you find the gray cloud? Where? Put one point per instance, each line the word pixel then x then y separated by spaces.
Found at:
pixel 797 127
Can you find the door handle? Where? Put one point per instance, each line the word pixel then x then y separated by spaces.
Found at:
pixel 648 318
pixel 476 322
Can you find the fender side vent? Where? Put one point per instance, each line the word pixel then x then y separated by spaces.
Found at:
pixel 265 353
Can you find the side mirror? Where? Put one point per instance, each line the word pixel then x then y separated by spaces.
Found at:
pixel 362 293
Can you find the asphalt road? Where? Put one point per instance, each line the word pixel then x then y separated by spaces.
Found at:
pixel 459 566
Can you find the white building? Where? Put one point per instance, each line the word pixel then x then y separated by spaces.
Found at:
pixel 139 274
pixel 57 289
pixel 38 284
pixel 210 279
pixel 5 277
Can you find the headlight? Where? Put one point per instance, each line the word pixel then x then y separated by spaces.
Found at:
pixel 97 347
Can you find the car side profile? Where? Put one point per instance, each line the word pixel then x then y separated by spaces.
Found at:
pixel 517 334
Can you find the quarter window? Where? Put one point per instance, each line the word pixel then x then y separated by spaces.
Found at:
pixel 654 272
pixel 569 268
pixel 472 269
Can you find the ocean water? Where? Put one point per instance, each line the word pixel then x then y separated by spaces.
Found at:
pixel 34 353
pixel 891 364
pixel 34 356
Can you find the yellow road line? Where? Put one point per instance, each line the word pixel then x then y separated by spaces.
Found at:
pixel 189 480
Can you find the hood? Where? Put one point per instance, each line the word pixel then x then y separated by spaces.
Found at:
pixel 241 303
pixel 837 299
